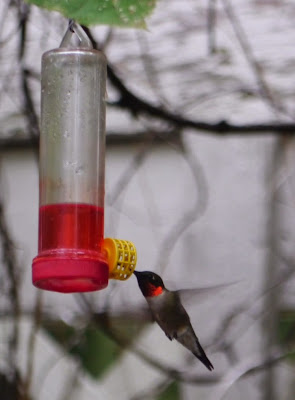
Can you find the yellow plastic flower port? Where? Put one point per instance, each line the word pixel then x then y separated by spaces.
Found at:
pixel 122 258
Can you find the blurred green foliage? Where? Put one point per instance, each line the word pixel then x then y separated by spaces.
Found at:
pixel 286 330
pixel 123 13
pixel 171 392
pixel 95 350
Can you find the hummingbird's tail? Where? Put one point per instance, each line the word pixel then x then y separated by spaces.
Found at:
pixel 200 354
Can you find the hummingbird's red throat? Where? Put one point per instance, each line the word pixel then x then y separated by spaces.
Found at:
pixel 153 291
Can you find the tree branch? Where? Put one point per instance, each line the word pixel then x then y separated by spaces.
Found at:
pixel 138 106
pixel 10 263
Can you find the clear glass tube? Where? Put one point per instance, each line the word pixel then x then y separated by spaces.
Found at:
pixel 72 159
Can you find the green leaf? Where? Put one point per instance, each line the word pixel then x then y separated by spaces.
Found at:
pixel 93 348
pixel 97 352
pixel 123 13
pixel 286 330
pixel 171 392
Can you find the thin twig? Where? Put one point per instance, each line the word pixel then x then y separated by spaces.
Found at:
pixel 10 263
pixel 29 109
pixel 138 106
pixel 271 303
pixel 189 217
pixel 249 54
pixel 128 173
pixel 211 27
pixel 33 127
pixel 151 72
pixel 36 324
pixel 245 369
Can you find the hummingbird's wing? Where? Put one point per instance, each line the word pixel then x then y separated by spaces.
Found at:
pixel 198 294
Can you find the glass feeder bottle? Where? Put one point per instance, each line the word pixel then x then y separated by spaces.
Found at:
pixel 72 159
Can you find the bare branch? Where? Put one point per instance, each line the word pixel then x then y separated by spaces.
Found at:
pixel 247 49
pixel 270 321
pixel 192 215
pixel 29 109
pixel 245 369
pixel 137 106
pixel 37 318
pixel 211 26
pixel 129 172
pixel 10 264
pixel 149 68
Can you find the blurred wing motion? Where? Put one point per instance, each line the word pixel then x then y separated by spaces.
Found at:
pixel 189 296
pixel 142 312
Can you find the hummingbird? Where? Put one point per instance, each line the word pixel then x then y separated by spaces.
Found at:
pixel 167 310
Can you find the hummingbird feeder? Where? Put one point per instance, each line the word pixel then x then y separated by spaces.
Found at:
pixel 73 255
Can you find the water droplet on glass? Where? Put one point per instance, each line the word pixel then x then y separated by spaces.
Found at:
pixel 70 164
pixel 79 170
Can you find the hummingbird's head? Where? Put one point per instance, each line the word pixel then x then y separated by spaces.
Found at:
pixel 149 283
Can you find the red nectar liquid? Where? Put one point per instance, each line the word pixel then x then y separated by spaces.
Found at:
pixel 68 226
pixel 70 258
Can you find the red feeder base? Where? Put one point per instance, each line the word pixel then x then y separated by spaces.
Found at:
pixel 70 275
